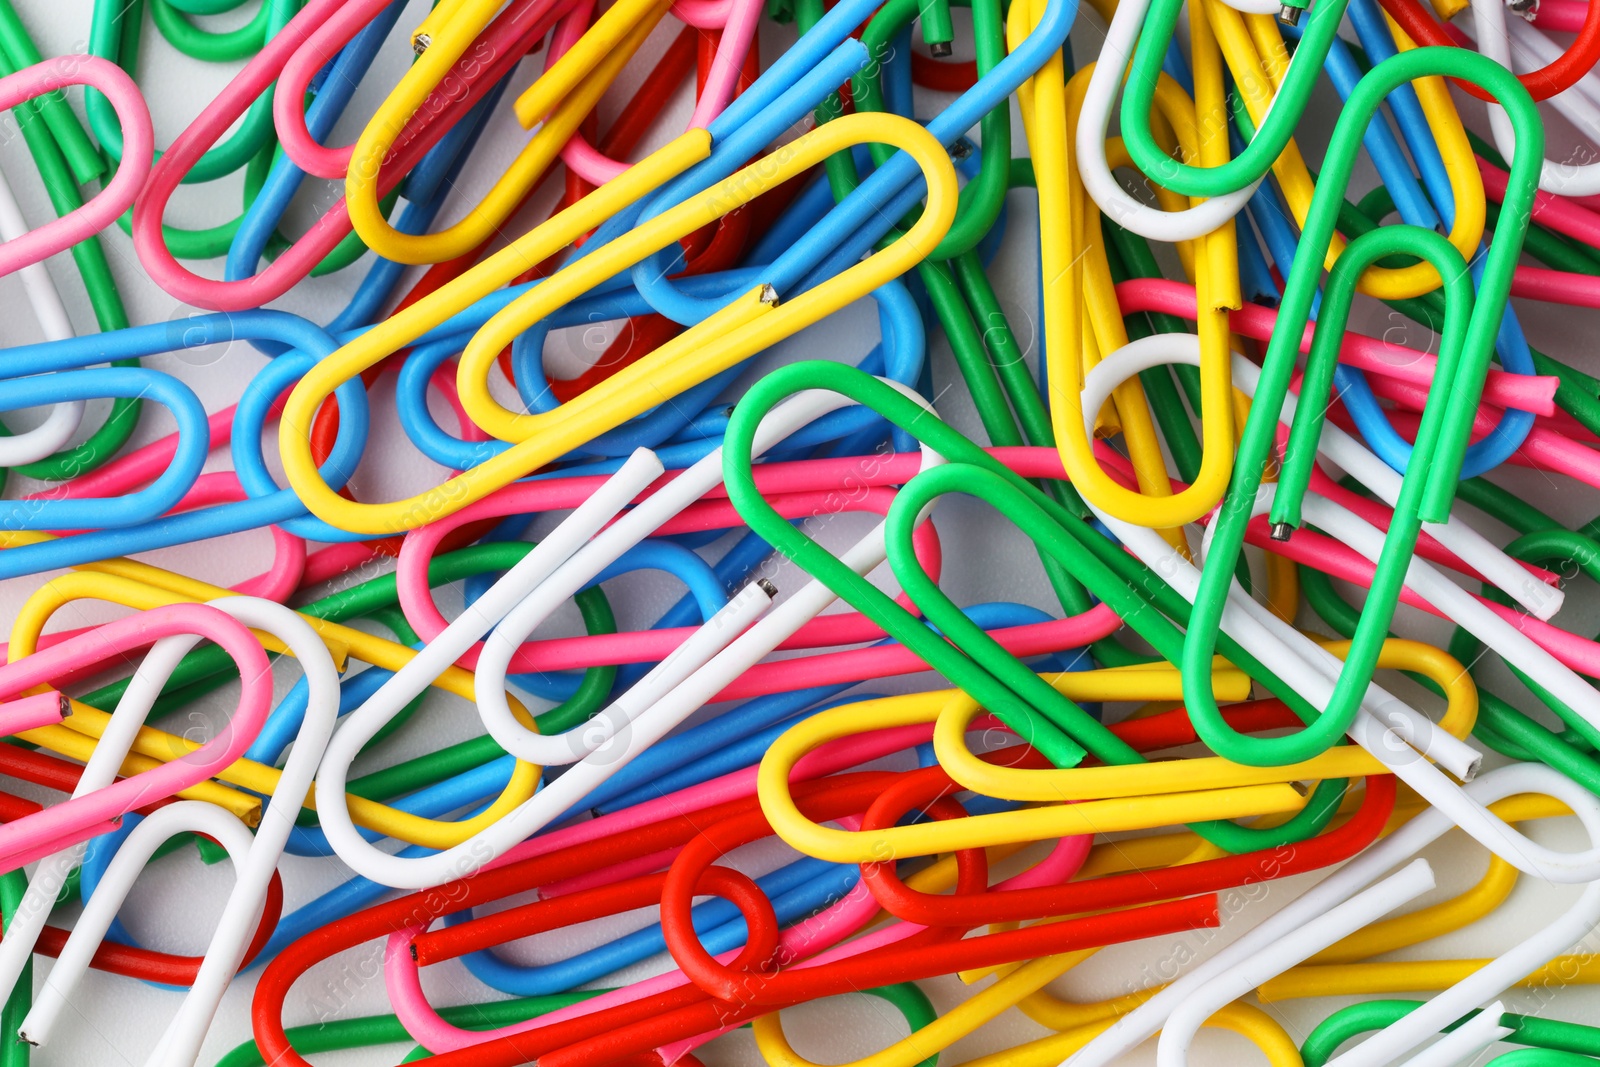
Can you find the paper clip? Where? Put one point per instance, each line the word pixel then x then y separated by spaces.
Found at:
pixel 1429 484
pixel 54 236
pixel 745 326
pixel 256 858
pixel 727 644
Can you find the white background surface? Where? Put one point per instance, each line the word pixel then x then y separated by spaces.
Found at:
pixel 174 905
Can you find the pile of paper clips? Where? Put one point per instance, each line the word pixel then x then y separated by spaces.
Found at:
pixel 1242 511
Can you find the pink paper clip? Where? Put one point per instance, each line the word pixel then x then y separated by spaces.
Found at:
pixel 118 195
pixel 174 630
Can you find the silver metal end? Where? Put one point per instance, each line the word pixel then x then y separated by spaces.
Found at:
pixel 769 295
pixel 66 706
pixel 1303 788
pixel 421 42
pixel 940 49
pixel 767 587
pixel 961 149
pixel 1289 15
pixel 1281 531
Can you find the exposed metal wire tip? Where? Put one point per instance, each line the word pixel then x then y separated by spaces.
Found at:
pixel 1281 531
pixel 767 587
pixel 421 43
pixel 939 49
pixel 1289 15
